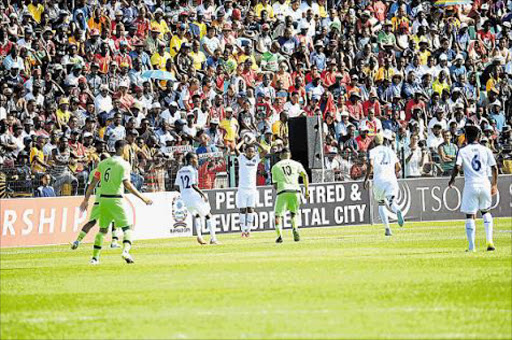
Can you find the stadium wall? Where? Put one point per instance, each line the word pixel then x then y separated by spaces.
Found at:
pixel 47 221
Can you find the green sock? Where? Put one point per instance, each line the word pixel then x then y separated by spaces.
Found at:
pixel 98 243
pixel 278 229
pixel 127 240
pixel 294 223
pixel 81 236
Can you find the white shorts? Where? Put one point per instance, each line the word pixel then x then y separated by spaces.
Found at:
pixel 246 198
pixel 475 198
pixel 196 205
pixel 384 191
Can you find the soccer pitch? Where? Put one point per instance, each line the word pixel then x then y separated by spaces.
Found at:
pixel 348 282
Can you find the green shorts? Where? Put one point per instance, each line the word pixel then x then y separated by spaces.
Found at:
pixel 95 212
pixel 113 210
pixel 287 201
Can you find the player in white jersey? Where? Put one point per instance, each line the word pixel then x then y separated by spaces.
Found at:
pixel 247 194
pixel 475 160
pixel 384 165
pixel 196 201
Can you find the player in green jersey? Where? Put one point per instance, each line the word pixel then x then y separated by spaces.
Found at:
pixel 285 178
pixel 114 174
pixel 95 214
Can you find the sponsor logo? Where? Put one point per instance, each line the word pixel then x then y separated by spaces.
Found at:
pixel 179 213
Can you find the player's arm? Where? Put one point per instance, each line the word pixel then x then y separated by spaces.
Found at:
pixel 305 180
pixel 129 186
pixel 398 167
pixel 368 174
pixel 263 152
pixel 494 180
pixel 89 191
pixel 238 147
pixel 455 172
pixel 200 192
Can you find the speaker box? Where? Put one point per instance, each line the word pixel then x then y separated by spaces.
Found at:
pixel 306 141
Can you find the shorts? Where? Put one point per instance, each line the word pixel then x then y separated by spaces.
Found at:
pixel 114 210
pixel 382 192
pixel 95 212
pixel 287 201
pixel 196 205
pixel 246 198
pixel 475 198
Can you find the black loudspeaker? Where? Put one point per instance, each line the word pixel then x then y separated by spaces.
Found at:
pixel 306 141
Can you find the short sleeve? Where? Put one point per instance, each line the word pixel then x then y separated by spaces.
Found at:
pixel 371 156
pixel 177 179
pixel 195 179
pixel 275 174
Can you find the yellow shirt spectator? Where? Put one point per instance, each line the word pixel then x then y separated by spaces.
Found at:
pixel 438 87
pixel 260 7
pixel 63 116
pixel 160 27
pixel 230 126
pixel 491 83
pixel 36 11
pixel 39 155
pixel 176 42
pixel 384 73
pixel 159 61
pixel 242 58
pixel 424 57
pixel 280 129
pixel 198 59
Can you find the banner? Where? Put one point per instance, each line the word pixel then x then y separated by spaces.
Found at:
pixel 329 204
pixel 37 221
pixel 430 199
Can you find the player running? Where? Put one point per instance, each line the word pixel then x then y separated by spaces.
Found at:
pixel 247 194
pixel 114 174
pixel 285 178
pixel 475 160
pixel 195 200
pixel 95 214
pixel 384 165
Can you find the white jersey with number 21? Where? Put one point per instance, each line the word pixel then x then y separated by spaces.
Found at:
pixel 384 160
pixel 476 160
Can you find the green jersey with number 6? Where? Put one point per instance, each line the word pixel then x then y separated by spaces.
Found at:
pixel 285 174
pixel 111 172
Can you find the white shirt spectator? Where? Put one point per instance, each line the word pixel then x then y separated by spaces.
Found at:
pixel 103 104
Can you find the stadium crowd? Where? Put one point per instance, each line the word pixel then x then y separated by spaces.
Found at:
pixel 173 76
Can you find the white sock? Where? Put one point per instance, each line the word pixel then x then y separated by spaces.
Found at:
pixel 470 233
pixel 243 223
pixel 250 222
pixel 197 225
pixel 488 226
pixel 394 207
pixel 384 216
pixel 211 227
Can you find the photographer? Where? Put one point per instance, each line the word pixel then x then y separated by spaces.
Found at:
pixel 415 157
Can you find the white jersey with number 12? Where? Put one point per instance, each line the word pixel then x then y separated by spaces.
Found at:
pixel 186 177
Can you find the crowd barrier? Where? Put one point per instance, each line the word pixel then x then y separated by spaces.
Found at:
pixel 37 221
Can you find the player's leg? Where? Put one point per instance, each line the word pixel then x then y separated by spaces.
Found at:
pixel 211 228
pixel 384 217
pixel 197 225
pixel 391 194
pixel 243 213
pixel 98 244
pixel 488 225
pixel 85 229
pixel 293 207
pixel 469 206
pixel 379 194
pixel 485 202
pixel 115 237
pixel 252 198
pixel 279 211
pixel 127 244
pixel 250 220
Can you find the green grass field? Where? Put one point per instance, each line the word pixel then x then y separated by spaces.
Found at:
pixel 349 282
